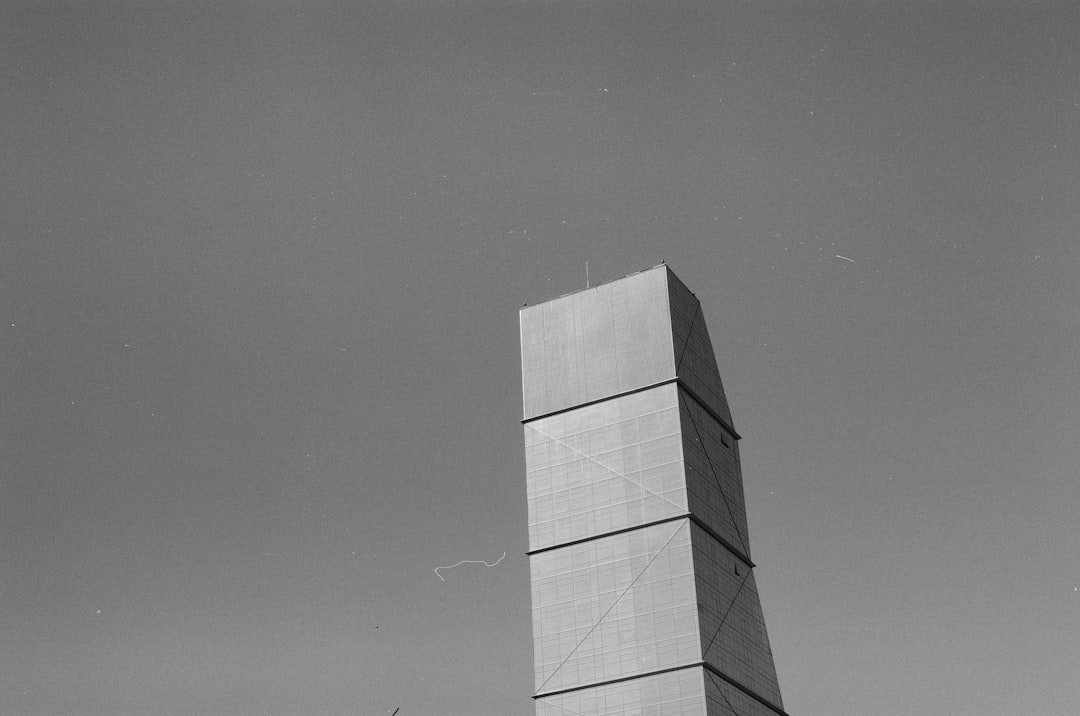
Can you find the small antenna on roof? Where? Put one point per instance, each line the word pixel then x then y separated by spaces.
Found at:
pixel 586 274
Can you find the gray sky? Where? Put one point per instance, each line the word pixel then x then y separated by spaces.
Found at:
pixel 260 266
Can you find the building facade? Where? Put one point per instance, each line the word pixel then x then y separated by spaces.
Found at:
pixel 643 593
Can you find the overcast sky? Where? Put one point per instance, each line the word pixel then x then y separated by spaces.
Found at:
pixel 260 270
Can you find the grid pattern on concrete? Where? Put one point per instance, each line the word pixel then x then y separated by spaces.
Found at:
pixel 597 343
pixel 734 640
pixel 725 699
pixel 675 693
pixel 643 598
pixel 605 467
pixel 695 362
pixel 713 477
pixel 614 607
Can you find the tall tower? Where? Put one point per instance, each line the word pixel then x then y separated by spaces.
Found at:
pixel 643 593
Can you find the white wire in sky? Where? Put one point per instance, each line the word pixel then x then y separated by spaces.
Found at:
pixel 469 561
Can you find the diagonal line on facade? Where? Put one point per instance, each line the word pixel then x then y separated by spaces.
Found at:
pixel 721 690
pixel 613 471
pixel 608 611
pixel 724 618
pixel 716 479
pixel 686 341
pixel 567 709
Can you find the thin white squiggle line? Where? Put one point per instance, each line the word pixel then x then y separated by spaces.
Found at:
pixel 469 561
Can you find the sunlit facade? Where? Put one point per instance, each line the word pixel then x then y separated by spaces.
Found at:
pixel 643 593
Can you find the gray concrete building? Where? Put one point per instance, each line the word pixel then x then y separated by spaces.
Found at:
pixel 643 593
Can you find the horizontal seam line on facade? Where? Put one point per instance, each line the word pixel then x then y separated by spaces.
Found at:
pixel 682 384
pixel 606 682
pixel 723 542
pixel 712 413
pixel 656 672
pixel 526 421
pixel 745 689
pixel 686 515
pixel 590 538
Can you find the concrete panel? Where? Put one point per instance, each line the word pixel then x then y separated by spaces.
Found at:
pixel 733 635
pixel 675 693
pixel 713 475
pixel 614 606
pixel 726 699
pixel 694 357
pixel 605 467
pixel 596 343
